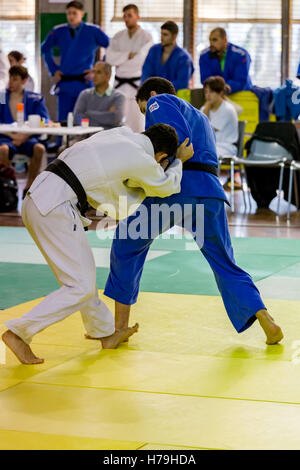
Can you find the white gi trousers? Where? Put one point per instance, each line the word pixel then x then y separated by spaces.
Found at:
pixel 61 239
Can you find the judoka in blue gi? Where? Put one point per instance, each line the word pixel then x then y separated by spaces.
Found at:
pixel 199 187
pixel 232 62
pixel 13 143
pixel 168 60
pixel 287 101
pixel 78 42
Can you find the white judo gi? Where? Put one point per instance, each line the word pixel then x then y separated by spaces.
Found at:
pixel 117 54
pixel 109 164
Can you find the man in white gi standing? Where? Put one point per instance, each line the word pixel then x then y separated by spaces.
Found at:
pixel 119 163
pixel 127 52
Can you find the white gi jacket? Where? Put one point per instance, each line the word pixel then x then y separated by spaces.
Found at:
pixel 117 54
pixel 110 164
pixel 121 45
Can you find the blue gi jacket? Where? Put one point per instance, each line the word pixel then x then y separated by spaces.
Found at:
pixel 178 68
pixel 287 101
pixel 191 123
pixel 236 70
pixel 77 54
pixel 34 103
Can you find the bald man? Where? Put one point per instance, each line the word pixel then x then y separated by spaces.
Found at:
pixel 226 60
pixel 102 105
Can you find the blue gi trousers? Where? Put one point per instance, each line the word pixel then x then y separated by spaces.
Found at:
pixel 65 104
pixel 67 94
pixel 240 296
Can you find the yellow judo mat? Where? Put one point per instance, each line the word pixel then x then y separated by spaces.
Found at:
pixel 186 380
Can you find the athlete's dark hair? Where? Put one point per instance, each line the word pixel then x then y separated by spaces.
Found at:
pixel 131 6
pixel 18 70
pixel 163 137
pixel 170 26
pixel 17 55
pixel 217 84
pixel 158 84
pixel 75 4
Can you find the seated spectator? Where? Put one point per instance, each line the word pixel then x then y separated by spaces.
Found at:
pixel 13 143
pixel 232 63
pixel 102 105
pixel 167 60
pixel 17 58
pixel 225 60
pixel 223 118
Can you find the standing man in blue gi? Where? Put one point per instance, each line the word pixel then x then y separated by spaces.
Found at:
pixel 78 43
pixel 225 60
pixel 200 187
pixel 168 60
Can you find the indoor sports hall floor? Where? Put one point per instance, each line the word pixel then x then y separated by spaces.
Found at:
pixel 186 380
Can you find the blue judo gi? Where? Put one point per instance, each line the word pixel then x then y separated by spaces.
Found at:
pixel 34 103
pixel 240 296
pixel 77 54
pixel 287 101
pixel 236 75
pixel 236 70
pixel 178 68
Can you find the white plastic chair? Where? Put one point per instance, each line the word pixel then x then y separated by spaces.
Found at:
pixel 262 154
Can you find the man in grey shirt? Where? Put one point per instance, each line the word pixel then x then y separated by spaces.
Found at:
pixel 102 105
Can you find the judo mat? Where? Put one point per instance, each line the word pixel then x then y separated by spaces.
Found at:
pixel 186 380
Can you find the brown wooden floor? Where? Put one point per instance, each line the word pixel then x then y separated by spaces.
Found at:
pixel 259 223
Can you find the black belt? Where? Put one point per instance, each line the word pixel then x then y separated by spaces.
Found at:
pixel 198 166
pixel 71 78
pixel 130 81
pixel 62 170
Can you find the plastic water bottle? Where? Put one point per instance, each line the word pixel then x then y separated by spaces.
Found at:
pixel 70 120
pixel 20 114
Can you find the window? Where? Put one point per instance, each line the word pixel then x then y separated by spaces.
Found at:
pixel 166 10
pixel 254 25
pixel 236 10
pixel 20 9
pixel 17 30
pixel 295 40
pixel 153 14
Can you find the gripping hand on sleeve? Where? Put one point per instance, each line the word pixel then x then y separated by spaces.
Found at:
pixel 185 151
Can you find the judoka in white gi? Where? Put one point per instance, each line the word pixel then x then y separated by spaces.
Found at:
pixel 110 164
pixel 127 51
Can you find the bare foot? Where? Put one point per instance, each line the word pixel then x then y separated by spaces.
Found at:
pixel 99 339
pixel 91 337
pixel 21 350
pixel 118 337
pixel 273 332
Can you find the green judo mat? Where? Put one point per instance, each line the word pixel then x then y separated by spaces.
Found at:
pixel 174 266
